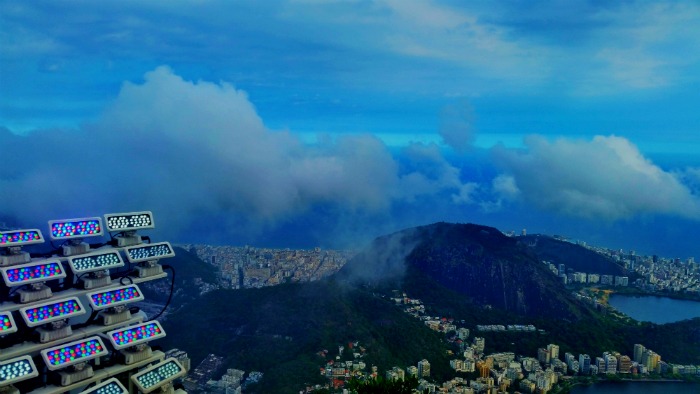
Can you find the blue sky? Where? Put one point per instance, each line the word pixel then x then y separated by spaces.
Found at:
pixel 330 122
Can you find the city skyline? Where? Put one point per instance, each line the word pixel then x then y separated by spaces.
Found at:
pixel 306 123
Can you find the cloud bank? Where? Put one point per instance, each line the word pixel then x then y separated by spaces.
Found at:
pixel 199 155
pixel 186 149
pixel 606 178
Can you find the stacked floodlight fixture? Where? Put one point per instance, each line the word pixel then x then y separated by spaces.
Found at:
pixel 93 268
pixel 7 324
pixel 147 257
pixel 159 376
pixel 113 302
pixel 11 243
pixel 132 341
pixel 51 318
pixel 72 359
pixel 126 225
pixel 35 274
pixel 16 370
pixel 52 299
pixel 73 231
pixel 110 386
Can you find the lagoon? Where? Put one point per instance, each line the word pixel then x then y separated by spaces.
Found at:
pixel 655 309
pixel 638 387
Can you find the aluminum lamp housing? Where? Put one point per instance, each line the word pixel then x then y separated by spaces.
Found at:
pixel 75 228
pixel 110 386
pixel 155 251
pixel 48 312
pixel 65 355
pixel 158 375
pixel 95 261
pixel 104 299
pixel 131 221
pixel 40 271
pixel 7 323
pixel 17 370
pixel 135 334
pixel 20 238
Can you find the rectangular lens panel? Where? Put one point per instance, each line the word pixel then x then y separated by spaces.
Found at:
pixel 7 323
pixel 119 296
pixel 97 261
pixel 17 370
pixel 133 335
pixel 129 221
pixel 157 375
pixel 52 311
pixel 18 275
pixel 111 386
pixel 75 352
pixel 20 237
pixel 160 250
pixel 76 228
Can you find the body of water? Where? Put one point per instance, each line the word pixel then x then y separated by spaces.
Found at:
pixel 655 309
pixel 638 387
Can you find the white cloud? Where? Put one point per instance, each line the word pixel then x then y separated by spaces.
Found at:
pixel 431 174
pixel 606 178
pixel 185 149
pixel 456 125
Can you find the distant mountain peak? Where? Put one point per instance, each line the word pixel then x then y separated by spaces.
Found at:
pixel 479 262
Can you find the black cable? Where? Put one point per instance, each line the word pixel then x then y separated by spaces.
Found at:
pixel 172 286
pixel 10 294
pixel 93 318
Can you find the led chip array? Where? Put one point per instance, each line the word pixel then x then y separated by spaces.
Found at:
pixel 75 228
pixel 129 221
pixel 111 386
pixel 75 352
pixel 19 275
pixel 16 370
pixel 155 376
pixel 95 261
pixel 20 237
pixel 119 296
pixel 137 254
pixel 56 310
pixel 133 335
pixel 7 323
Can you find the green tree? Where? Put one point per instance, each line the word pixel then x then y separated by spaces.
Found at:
pixel 383 386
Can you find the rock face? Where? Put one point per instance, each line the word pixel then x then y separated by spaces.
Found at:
pixel 476 261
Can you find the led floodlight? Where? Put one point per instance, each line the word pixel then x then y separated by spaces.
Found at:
pixel 7 323
pixel 111 386
pixel 17 370
pixel 158 375
pixel 62 356
pixel 20 238
pixel 41 271
pixel 129 221
pixel 160 250
pixel 119 296
pixel 75 228
pixel 96 261
pixel 136 334
pixel 52 311
pixel 11 243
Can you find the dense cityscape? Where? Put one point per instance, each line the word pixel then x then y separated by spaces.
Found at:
pixel 247 267
pixel 544 372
